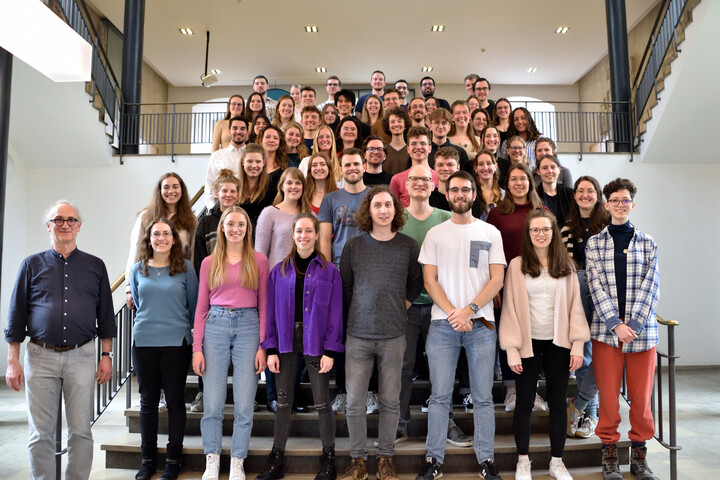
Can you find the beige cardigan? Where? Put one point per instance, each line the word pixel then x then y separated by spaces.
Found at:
pixel 571 328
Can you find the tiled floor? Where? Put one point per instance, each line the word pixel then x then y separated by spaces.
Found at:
pixel 698 423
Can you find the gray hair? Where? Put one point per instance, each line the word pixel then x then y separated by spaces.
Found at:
pixel 46 215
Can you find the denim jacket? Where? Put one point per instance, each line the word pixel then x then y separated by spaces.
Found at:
pixel 322 302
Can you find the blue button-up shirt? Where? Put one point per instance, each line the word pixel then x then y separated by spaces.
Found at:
pixel 61 301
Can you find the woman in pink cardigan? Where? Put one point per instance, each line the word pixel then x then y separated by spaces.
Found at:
pixel 543 326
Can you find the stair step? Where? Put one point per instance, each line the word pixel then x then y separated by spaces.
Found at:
pixel 301 454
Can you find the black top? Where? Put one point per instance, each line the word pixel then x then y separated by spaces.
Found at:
pixel 206 237
pixel 621 235
pixel 559 205
pixel 464 161
pixel 372 179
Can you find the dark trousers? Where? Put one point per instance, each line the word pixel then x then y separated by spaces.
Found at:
pixel 319 382
pixel 556 362
pixel 162 368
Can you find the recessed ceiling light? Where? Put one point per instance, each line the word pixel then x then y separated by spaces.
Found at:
pixel 438 28
pixel 562 30
pixel 427 69
pixel 311 28
pixel 186 31
pixel 531 70
pixel 215 71
pixel 320 69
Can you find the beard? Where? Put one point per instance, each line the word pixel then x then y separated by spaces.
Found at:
pixel 461 207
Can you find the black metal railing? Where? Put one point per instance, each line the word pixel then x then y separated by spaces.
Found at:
pixel 663 34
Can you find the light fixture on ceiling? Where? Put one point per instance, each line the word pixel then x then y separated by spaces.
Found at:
pixel 311 28
pixel 186 31
pixel 208 79
pixel 427 69
pixel 531 70
pixel 320 69
pixel 562 30
pixel 437 28
pixel 215 71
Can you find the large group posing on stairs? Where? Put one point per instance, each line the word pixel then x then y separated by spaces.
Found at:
pixel 343 244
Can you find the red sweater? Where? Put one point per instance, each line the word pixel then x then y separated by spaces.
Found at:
pixel 511 228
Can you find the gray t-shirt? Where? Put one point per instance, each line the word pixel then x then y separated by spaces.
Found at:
pixel 338 208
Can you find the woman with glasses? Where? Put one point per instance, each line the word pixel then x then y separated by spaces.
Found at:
pixel 543 327
pixel 523 125
pixel 164 289
pixel 230 323
pixel 221 137
pixel 515 153
pixel 556 197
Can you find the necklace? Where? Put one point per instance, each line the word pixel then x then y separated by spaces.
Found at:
pixel 159 270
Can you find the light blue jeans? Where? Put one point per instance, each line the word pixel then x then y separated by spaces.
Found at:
pixel 443 349
pixel 230 334
pixel 47 374
pixel 587 399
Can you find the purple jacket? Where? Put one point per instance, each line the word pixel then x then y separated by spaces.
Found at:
pixel 322 303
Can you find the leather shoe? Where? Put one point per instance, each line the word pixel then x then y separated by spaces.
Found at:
pixel 272 406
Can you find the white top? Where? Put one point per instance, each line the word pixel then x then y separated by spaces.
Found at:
pixel 463 255
pixel 224 158
pixel 541 299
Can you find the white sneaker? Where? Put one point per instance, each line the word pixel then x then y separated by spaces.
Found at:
pixel 425 406
pixel 522 470
pixel 212 467
pixel 237 471
pixel 539 404
pixel 162 405
pixel 574 418
pixel 372 403
pixel 587 426
pixel 558 470
pixel 198 405
pixel 338 404
pixel 510 398
pixel 468 402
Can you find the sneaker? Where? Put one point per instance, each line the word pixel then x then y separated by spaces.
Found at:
pixel 400 436
pixel 431 471
pixel 357 470
pixel 425 406
pixel 510 398
pixel 386 469
pixel 212 467
pixel 455 436
pixel 237 469
pixel 372 403
pixel 497 374
pixel 610 464
pixel 638 464
pixel 539 405
pixel 488 471
pixel 338 405
pixel 522 470
pixel 587 426
pixel 558 470
pixel 162 404
pixel 574 419
pixel 197 405
pixel 468 402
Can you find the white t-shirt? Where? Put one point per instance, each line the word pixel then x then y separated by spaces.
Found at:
pixel 541 300
pixel 463 255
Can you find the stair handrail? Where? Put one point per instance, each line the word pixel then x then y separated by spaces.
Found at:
pixel 664 31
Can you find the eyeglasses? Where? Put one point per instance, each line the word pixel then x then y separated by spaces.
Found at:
pixel 161 234
pixel 58 221
pixel 375 149
pixel 482 89
pixel 420 179
pixel 537 231
pixel 517 149
pixel 456 190
pixel 617 201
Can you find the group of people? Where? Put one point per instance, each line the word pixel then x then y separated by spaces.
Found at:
pixel 349 241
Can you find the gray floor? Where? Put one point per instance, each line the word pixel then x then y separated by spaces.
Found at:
pixel 698 424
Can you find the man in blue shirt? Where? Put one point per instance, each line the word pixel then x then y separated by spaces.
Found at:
pixel 62 301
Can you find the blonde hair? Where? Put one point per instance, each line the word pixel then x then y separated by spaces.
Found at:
pixel 296 173
pixel 333 158
pixel 248 277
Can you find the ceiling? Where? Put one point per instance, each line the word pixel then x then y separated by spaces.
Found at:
pixel 498 39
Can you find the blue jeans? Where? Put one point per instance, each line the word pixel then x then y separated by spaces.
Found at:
pixel 47 375
pixel 587 399
pixel 443 349
pixel 230 334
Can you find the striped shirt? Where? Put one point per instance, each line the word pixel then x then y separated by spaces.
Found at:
pixel 642 292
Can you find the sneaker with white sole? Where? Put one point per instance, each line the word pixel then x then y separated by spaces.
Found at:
pixel 587 426
pixel 510 399
pixel 431 471
pixel 162 404
pixel 468 402
pixel 212 467
pixel 488 471
pixel 198 405
pixel 558 470
pixel 455 436
pixel 425 406
pixel 372 403
pixel 400 436
pixel 338 404
pixel 539 405
pixel 522 470
pixel 574 418
pixel 237 469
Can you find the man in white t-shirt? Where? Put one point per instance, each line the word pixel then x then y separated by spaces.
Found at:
pixel 463 268
pixel 225 158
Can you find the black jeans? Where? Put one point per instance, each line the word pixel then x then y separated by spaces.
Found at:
pixel 417 327
pixel 162 368
pixel 319 383
pixel 556 362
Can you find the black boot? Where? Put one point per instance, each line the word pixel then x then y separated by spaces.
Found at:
pixel 327 465
pixel 172 469
pixel 274 468
pixel 147 468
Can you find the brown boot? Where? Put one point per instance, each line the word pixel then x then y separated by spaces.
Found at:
pixel 638 464
pixel 356 471
pixel 386 469
pixel 610 464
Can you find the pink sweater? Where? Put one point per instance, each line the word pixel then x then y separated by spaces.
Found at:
pixel 230 295
pixel 570 331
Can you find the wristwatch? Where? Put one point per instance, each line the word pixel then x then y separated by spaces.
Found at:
pixel 108 354
pixel 474 307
